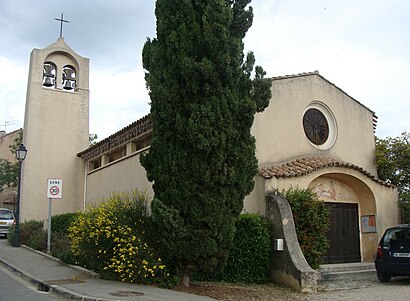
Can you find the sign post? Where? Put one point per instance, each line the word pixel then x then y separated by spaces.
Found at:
pixel 54 191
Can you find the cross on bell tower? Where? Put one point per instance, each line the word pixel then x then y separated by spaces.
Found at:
pixel 61 20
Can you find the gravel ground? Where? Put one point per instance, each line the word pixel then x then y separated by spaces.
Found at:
pixel 237 292
pixel 397 289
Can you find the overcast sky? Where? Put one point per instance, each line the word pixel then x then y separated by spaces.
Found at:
pixel 362 46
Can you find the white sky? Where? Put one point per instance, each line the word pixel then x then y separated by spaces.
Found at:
pixel 362 46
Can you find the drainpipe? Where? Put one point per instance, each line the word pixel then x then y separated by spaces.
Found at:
pixel 85 184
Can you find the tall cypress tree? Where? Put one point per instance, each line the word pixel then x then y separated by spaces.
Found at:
pixel 203 100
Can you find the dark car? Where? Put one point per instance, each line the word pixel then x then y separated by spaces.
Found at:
pixel 393 253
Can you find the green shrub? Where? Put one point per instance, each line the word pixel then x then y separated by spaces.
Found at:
pixel 61 222
pixel 27 229
pixel 10 235
pixel 404 205
pixel 250 256
pixel 311 222
pixel 33 235
pixel 405 213
pixel 38 240
pixel 109 238
pixel 61 247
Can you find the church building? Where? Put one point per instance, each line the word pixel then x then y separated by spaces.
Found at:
pixel 312 135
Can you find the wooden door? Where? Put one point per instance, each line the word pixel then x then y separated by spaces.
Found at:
pixel 343 235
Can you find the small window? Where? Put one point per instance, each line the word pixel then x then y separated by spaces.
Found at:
pixel 69 78
pixel 49 75
pixel 116 154
pixel 142 143
pixel 94 164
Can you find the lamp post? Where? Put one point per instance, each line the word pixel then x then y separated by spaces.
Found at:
pixel 21 153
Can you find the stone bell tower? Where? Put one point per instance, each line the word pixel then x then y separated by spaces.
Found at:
pixel 56 128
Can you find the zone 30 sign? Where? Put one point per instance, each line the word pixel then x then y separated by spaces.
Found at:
pixel 54 188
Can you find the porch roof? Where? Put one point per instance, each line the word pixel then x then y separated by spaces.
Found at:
pixel 305 165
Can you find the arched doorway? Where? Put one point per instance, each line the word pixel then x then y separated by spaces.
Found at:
pixel 348 200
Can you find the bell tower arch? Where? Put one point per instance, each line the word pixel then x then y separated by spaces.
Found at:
pixel 56 128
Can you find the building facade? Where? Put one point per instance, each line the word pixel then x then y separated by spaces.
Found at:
pixel 312 135
pixel 8 195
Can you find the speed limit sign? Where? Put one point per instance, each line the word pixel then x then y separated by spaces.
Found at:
pixel 54 188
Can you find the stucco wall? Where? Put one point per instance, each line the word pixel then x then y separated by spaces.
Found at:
pixel 371 197
pixel 254 201
pixel 279 130
pixel 123 175
pixel 55 129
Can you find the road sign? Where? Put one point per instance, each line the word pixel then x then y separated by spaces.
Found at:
pixel 54 188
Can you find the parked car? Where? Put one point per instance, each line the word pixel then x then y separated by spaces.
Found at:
pixel 393 253
pixel 6 221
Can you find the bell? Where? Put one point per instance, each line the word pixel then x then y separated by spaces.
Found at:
pixel 48 82
pixel 67 85
pixel 48 75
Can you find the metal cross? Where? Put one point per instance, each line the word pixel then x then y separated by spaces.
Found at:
pixel 61 24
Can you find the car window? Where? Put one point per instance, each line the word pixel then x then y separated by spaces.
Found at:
pixel 394 236
pixel 6 214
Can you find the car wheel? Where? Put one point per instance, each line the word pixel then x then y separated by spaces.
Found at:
pixel 383 277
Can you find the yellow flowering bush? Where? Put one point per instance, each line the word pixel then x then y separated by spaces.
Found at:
pixel 110 238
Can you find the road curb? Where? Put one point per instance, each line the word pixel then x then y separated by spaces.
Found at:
pixel 42 285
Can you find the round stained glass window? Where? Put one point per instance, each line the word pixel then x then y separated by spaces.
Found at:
pixel 315 126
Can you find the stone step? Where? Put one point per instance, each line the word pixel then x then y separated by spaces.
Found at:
pixel 346 267
pixel 346 280
pixel 359 275
pixel 346 275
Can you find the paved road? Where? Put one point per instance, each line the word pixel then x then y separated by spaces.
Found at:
pixel 396 289
pixel 13 288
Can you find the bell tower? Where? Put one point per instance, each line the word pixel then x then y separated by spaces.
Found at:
pixel 56 128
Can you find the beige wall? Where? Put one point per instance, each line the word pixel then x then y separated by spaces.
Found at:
pixel 255 201
pixel 371 197
pixel 279 131
pixel 55 129
pixel 123 175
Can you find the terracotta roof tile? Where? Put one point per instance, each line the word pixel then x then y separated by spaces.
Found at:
pixel 303 166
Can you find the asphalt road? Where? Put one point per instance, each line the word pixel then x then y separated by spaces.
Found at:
pixel 397 289
pixel 13 288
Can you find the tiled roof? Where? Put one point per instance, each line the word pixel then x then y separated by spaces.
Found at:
pixel 136 129
pixel 316 72
pixel 306 165
pixel 9 133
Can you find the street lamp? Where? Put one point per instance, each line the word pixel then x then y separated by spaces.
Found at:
pixel 21 153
